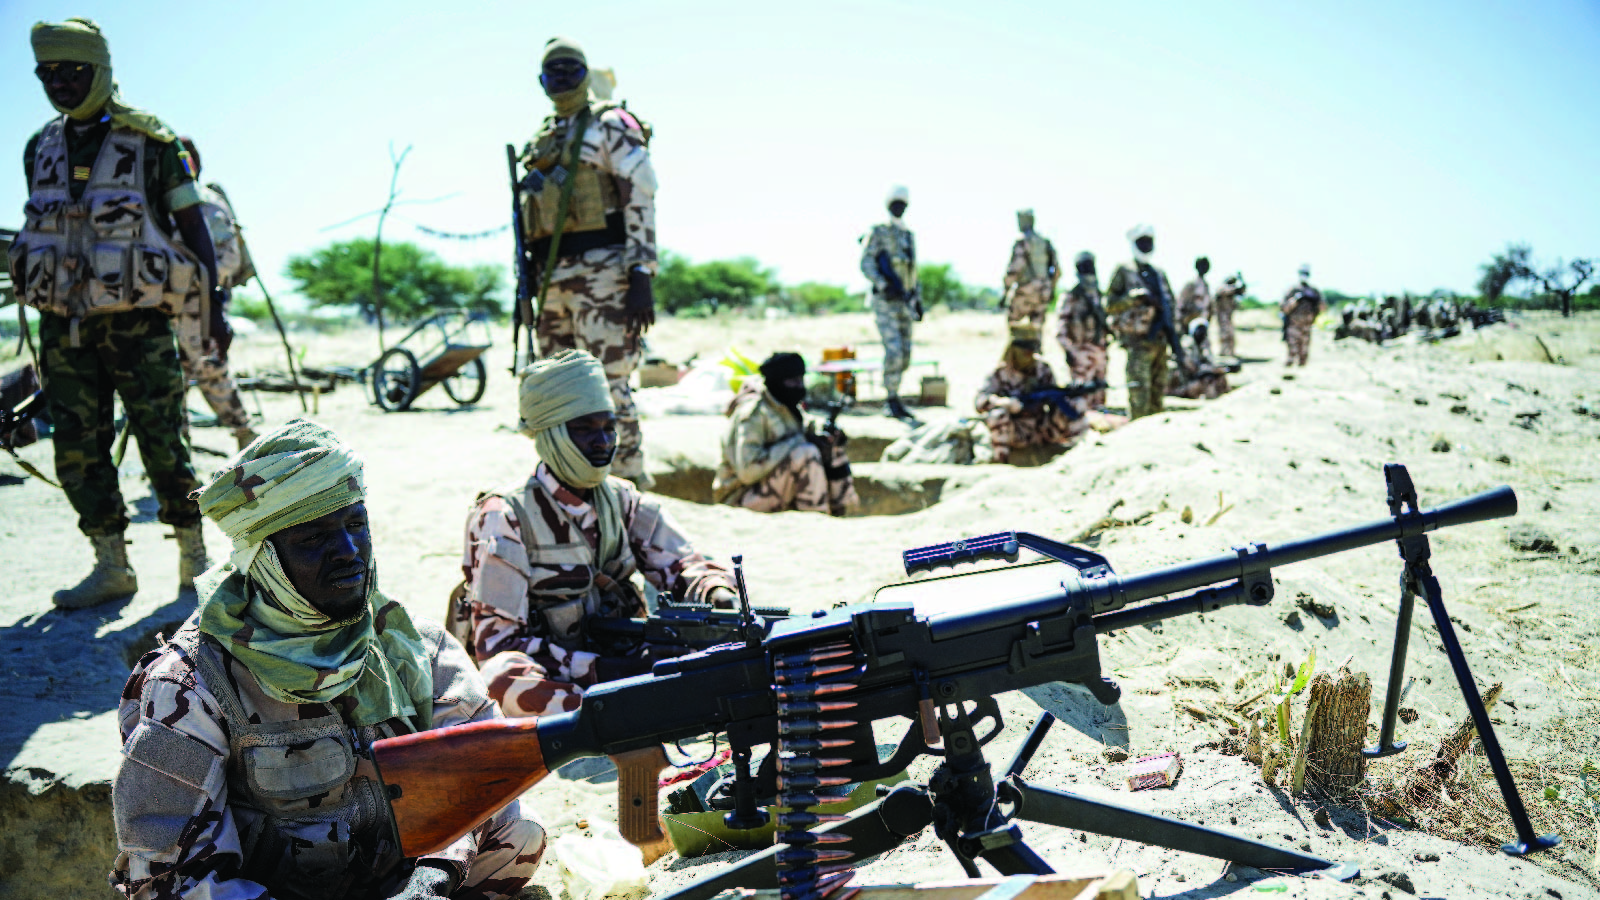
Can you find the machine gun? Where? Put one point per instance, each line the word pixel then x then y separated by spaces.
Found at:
pixel 1058 396
pixel 811 679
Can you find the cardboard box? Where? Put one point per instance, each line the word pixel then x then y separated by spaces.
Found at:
pixel 658 374
pixel 935 391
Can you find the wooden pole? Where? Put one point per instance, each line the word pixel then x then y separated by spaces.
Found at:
pixel 283 335
pixel 377 243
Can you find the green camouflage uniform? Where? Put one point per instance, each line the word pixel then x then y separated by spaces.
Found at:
pixel 1133 312
pixel 132 353
pixel 895 316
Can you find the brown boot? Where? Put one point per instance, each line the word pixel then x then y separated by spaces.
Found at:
pixel 245 435
pixel 111 579
pixel 192 558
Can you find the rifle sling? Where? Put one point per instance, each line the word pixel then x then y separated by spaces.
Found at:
pixel 580 127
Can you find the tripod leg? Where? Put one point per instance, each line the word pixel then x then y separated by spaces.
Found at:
pixel 873 829
pixel 1067 810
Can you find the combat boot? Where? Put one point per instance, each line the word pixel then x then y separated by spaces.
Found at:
pixel 111 579
pixel 245 435
pixel 191 556
pixel 898 410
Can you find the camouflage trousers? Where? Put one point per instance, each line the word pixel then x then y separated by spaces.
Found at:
pixel 1147 377
pixel 801 482
pixel 510 846
pixel 583 311
pixel 133 355
pixel 1008 431
pixel 1297 334
pixel 1206 386
pixel 1225 326
pixel 550 683
pixel 211 376
pixel 1030 302
pixel 1087 362
pixel 894 326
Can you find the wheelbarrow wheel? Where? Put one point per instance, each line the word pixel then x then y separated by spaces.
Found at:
pixel 467 384
pixel 395 379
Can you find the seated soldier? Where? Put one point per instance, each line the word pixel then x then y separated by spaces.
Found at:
pixel 241 734
pixel 1204 378
pixel 543 556
pixel 1012 421
pixel 772 458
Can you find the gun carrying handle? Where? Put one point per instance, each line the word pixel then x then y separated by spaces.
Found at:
pixel 638 794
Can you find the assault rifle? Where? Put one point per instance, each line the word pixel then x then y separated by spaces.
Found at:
pixel 1156 284
pixel 522 309
pixel 677 625
pixel 941 671
pixel 1057 396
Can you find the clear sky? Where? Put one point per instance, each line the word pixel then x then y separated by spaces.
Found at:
pixel 1391 145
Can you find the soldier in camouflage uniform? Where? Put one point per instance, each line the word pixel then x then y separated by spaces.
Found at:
pixel 772 458
pixel 1031 275
pixel 1194 301
pixel 97 257
pixel 1134 298
pixel 543 556
pixel 889 260
pixel 209 371
pixel 1204 379
pixel 1014 423
pixel 243 772
pixel 1227 301
pixel 600 298
pixel 1301 305
pixel 1081 329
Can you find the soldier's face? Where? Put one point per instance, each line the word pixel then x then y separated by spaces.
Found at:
pixel 897 208
pixel 67 83
pixel 562 75
pixel 1145 244
pixel 595 436
pixel 328 560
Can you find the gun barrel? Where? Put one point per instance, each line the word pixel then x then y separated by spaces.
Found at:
pixel 1113 592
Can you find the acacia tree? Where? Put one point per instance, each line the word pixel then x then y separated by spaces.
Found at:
pixel 1561 280
pixel 414 282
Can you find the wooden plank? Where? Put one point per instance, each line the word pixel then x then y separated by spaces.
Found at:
pixel 1116 885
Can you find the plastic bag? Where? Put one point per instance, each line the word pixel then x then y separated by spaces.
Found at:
pixel 602 867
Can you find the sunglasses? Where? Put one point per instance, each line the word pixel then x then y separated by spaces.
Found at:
pixel 69 70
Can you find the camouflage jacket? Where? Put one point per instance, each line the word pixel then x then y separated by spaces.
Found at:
pixel 761 432
pixel 1033 262
pixel 1131 306
pixel 1005 382
pixel 1194 302
pixel 1081 319
pixel 187 798
pixel 1302 303
pixel 507 584
pixel 614 144
pixel 234 266
pixel 895 239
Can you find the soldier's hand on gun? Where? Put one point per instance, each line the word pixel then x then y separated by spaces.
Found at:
pixel 1011 405
pixel 221 331
pixel 639 306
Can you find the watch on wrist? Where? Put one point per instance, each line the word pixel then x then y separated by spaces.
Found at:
pixel 641 269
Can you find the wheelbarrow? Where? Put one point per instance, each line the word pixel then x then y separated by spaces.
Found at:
pixel 455 342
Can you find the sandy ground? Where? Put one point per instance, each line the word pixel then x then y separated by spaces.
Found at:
pixel 1287 457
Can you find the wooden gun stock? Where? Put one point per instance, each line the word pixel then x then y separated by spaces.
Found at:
pixel 445 782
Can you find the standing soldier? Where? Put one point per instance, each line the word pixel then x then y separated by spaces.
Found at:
pixel 1139 301
pixel 1301 305
pixel 1030 282
pixel 1194 301
pixel 1081 329
pixel 98 260
pixel 591 220
pixel 234 267
pixel 889 260
pixel 1014 422
pixel 1227 301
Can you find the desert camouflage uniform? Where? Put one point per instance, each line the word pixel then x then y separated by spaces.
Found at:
pixel 1133 310
pixel 207 766
pixel 511 591
pixel 1035 425
pixel 1081 331
pixel 1300 316
pixel 1030 280
pixel 1194 302
pixel 209 373
pixel 1205 381
pixel 583 309
pixel 1227 300
pixel 895 317
pixel 769 465
pixel 131 354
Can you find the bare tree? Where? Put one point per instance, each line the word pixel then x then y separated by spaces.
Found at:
pixel 1505 268
pixel 1516 264
pixel 377 243
pixel 1554 281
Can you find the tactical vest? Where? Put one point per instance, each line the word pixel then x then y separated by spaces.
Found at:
pixel 234 266
pixel 594 212
pixel 1040 257
pixel 323 852
pixel 102 253
pixel 557 613
pixel 902 253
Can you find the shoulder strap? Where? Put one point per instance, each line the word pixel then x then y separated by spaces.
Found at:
pixel 575 135
pixel 190 639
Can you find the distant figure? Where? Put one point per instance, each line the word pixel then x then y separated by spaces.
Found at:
pixel 210 371
pixel 1203 379
pixel 1137 298
pixel 1013 420
pixel 1194 301
pixel 1301 305
pixel 600 298
pixel 773 459
pixel 1081 329
pixel 1031 275
pixel 1227 301
pixel 889 260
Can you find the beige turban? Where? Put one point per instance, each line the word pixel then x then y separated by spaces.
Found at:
pixel 563 48
pixel 556 390
pixel 79 40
